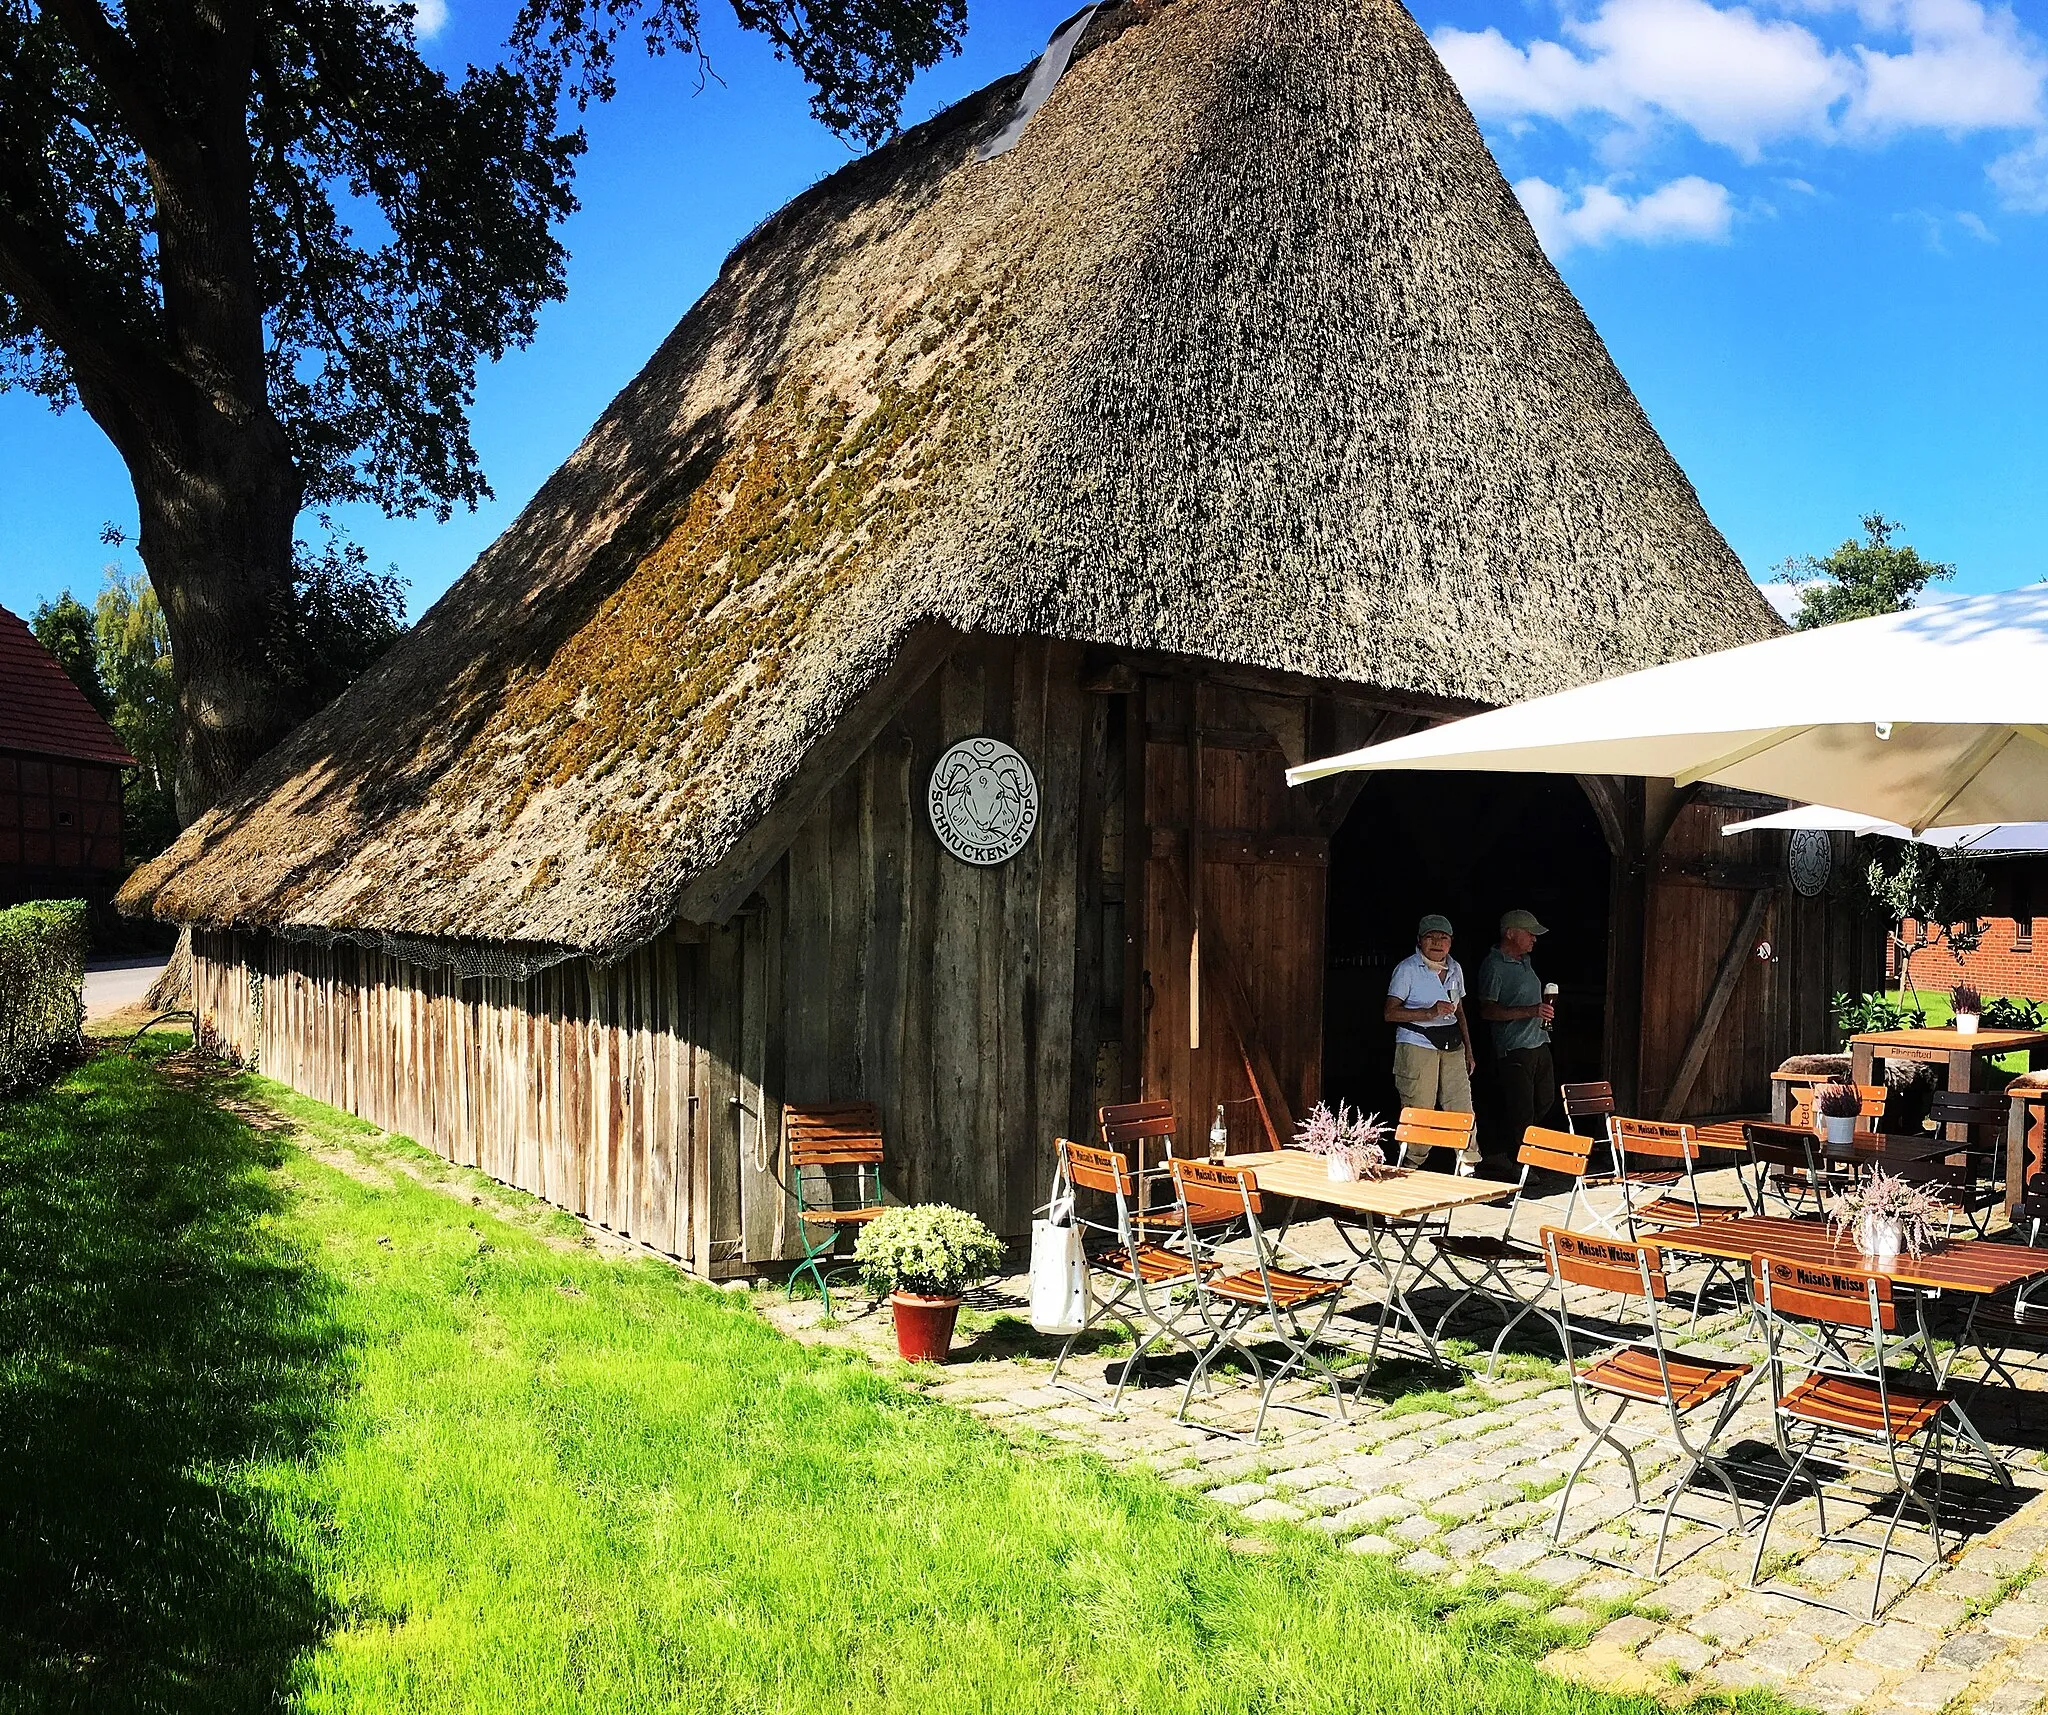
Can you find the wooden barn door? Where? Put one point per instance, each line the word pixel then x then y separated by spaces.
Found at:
pixel 1711 1030
pixel 1231 989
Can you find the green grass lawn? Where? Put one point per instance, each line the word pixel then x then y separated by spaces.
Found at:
pixel 280 1433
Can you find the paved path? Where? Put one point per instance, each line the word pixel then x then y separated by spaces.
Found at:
pixel 1451 1475
pixel 111 984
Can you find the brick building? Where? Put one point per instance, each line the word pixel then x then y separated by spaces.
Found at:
pixel 60 780
pixel 2012 958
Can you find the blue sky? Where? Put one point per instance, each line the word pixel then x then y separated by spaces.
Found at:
pixel 1814 233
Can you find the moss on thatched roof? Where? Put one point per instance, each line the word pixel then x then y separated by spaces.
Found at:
pixel 1246 352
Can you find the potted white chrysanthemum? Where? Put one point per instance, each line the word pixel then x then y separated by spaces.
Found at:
pixel 924 1256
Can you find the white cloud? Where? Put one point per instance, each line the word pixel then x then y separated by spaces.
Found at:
pixel 1974 225
pixel 1736 79
pixel 1743 79
pixel 430 16
pixel 2021 177
pixel 1967 68
pixel 1691 208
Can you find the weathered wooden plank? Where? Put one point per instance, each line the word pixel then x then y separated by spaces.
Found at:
pixel 1064 1029
pixel 957 1065
pixel 1735 958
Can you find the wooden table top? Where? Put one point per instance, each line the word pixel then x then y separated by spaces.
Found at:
pixel 1971 1265
pixel 1867 1146
pixel 1403 1195
pixel 1951 1041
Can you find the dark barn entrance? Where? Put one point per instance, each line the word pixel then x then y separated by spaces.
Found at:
pixel 1470 846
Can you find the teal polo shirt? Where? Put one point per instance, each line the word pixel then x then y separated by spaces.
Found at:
pixel 1512 982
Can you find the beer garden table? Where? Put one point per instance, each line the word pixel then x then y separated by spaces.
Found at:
pixel 1394 1207
pixel 1972 1268
pixel 1959 1053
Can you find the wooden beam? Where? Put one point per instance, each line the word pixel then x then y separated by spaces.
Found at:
pixel 1234 999
pixel 715 895
pixel 1331 798
pixel 1733 958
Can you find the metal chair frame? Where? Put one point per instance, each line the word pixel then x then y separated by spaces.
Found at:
pixel 834 1148
pixel 1794 1152
pixel 1590 1101
pixel 1233 1301
pixel 1635 1272
pixel 1494 1255
pixel 1145 1273
pixel 1667 1140
pixel 1788 1293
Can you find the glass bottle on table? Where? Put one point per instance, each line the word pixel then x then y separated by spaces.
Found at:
pixel 1219 1137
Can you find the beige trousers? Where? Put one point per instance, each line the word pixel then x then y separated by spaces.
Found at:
pixel 1434 1078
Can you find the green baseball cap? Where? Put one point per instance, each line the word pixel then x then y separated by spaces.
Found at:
pixel 1522 920
pixel 1433 924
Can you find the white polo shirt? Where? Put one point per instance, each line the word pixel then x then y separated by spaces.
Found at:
pixel 1415 986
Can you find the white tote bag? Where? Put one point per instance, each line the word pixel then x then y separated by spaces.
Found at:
pixel 1059 1273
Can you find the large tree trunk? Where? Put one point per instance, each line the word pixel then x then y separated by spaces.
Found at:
pixel 217 512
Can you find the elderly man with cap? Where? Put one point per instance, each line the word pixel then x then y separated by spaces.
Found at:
pixel 1511 999
pixel 1433 1056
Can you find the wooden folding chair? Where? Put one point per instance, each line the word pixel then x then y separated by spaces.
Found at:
pixel 1964 1198
pixel 832 1156
pixel 1234 1300
pixel 1788 1165
pixel 1487 1264
pixel 1136 1131
pixel 1640 1373
pixel 1982 1116
pixel 1587 1109
pixel 1869 1420
pixel 1661 1155
pixel 1422 1130
pixel 1141 1273
pixel 2015 1320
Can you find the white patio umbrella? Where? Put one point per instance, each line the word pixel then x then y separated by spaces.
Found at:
pixel 1983 837
pixel 1935 717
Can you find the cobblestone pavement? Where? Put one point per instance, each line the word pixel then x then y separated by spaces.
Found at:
pixel 1447 1473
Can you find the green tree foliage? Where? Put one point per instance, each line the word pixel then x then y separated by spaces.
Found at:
pixel 135 660
pixel 1946 893
pixel 1861 579
pixel 64 628
pixel 266 245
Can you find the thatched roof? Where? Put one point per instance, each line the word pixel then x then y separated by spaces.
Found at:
pixel 1246 352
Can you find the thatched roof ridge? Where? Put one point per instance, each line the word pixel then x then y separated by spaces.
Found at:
pixel 1246 352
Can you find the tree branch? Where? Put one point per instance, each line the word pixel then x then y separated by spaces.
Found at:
pixel 119 67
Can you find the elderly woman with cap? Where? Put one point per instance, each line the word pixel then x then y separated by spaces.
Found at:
pixel 1433 1057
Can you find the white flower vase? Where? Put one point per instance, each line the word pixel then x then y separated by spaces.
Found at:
pixel 1841 1128
pixel 1340 1167
pixel 1878 1239
pixel 1966 1024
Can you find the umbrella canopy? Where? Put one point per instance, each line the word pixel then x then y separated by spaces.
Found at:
pixel 1934 717
pixel 1981 837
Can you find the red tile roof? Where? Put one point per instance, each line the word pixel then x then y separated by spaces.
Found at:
pixel 41 711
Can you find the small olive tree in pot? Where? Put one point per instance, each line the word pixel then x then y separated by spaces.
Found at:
pixel 924 1257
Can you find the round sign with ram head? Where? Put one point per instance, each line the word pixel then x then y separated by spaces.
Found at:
pixel 984 801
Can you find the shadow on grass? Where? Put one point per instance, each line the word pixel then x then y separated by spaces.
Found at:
pixel 160 1340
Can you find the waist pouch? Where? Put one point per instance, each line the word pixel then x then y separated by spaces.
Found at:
pixel 1442 1037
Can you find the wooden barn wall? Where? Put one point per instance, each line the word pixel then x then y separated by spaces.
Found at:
pixel 945 992
pixel 1712 899
pixel 580 1085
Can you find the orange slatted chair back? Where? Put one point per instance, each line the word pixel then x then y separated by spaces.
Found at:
pixel 1586 1101
pixel 1212 1194
pixel 833 1134
pixel 1837 1296
pixel 1095 1169
pixel 1423 1129
pixel 1606 1265
pixel 1554 1151
pixel 1870 1098
pixel 1133 1122
pixel 1660 1140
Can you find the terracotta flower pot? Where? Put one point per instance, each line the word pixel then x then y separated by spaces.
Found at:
pixel 924 1327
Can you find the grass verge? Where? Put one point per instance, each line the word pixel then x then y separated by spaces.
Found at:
pixel 282 1426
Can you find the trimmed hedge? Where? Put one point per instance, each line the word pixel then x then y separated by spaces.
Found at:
pixel 42 987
